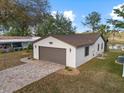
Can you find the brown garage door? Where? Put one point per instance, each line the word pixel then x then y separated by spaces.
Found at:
pixel 56 55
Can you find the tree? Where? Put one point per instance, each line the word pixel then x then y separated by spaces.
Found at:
pixel 104 30
pixel 19 14
pixel 92 20
pixel 120 13
pixel 36 9
pixel 18 32
pixel 113 23
pixel 55 26
pixel 117 25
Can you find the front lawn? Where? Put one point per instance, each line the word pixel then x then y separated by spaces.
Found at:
pixel 96 76
pixel 12 59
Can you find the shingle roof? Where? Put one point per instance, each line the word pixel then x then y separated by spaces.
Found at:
pixel 8 39
pixel 79 40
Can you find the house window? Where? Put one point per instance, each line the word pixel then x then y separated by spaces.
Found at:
pixel 98 48
pixel 86 51
pixel 102 46
pixel 17 44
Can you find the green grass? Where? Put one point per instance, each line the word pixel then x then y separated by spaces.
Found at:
pixel 96 76
pixel 12 59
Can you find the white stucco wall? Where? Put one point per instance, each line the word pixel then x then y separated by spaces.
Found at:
pixel 74 58
pixel 80 52
pixel 70 56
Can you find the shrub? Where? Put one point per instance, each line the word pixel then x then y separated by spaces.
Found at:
pixel 29 49
pixel 30 46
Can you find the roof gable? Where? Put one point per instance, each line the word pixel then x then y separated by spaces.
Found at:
pixel 78 40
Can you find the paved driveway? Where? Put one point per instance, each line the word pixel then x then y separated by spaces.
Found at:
pixel 17 77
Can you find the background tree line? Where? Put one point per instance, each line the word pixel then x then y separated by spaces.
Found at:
pixel 18 16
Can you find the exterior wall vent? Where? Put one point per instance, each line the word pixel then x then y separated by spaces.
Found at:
pixel 50 42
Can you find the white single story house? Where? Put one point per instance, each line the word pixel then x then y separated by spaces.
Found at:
pixel 15 42
pixel 69 50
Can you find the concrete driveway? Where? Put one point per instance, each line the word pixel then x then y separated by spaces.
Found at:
pixel 17 77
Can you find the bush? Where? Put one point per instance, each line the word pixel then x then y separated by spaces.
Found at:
pixel 30 46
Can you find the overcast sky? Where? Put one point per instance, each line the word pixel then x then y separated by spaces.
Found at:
pixel 76 10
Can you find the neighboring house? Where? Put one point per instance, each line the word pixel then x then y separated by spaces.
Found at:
pixel 8 43
pixel 69 50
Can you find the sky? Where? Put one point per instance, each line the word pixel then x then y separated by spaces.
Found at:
pixel 76 10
